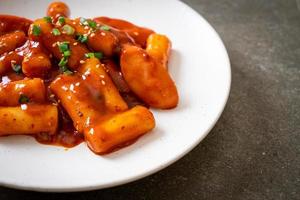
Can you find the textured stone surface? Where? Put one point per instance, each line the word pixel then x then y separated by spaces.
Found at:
pixel 254 150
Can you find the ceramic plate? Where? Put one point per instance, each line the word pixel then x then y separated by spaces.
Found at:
pixel 200 67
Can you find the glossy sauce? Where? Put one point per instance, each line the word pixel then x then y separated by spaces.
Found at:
pixel 139 34
pixel 115 73
pixel 10 23
pixel 67 135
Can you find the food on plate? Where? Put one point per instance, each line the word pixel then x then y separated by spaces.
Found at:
pixel 28 119
pixel 65 81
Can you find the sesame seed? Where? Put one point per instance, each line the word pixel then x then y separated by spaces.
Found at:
pixel 103 82
pixel 81 61
pixel 93 34
pixel 87 73
pixel 23 106
pixel 64 88
pixel 92 131
pixel 75 43
pixel 71 87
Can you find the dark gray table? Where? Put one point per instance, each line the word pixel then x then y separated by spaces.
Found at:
pixel 254 150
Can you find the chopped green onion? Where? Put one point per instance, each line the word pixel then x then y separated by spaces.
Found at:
pixel 89 55
pixel 55 32
pixel 48 19
pixel 36 30
pixel 67 53
pixel 63 46
pixel 23 99
pixel 98 55
pixel 105 28
pixel 17 68
pixel 82 38
pixel 63 62
pixel 64 69
pixel 68 72
pixel 83 21
pixel 92 24
pixel 61 20
pixel 67 29
pixel 89 22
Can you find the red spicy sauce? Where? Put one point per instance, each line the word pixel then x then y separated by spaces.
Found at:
pixel 9 23
pixel 66 135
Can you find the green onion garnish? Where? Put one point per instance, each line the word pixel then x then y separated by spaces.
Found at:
pixel 105 28
pixel 61 20
pixel 98 55
pixel 92 24
pixel 63 62
pixel 89 55
pixel 23 99
pixel 36 30
pixel 82 38
pixel 48 19
pixel 68 72
pixel 67 53
pixel 67 29
pixel 83 21
pixel 17 68
pixel 55 32
pixel 64 69
pixel 63 46
pixel 89 23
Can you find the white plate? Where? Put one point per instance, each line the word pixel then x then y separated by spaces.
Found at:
pixel 200 66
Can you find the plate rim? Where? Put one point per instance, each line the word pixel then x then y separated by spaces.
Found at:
pixel 166 164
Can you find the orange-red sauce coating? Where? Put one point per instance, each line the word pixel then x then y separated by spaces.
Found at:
pixel 81 99
pixel 67 135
